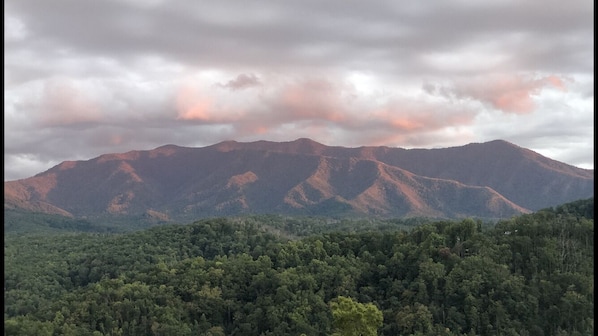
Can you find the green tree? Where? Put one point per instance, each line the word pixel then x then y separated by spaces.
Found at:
pixel 351 318
pixel 415 319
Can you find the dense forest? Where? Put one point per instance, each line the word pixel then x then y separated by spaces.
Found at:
pixel 272 275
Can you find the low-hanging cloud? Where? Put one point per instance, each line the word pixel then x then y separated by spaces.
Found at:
pixel 507 93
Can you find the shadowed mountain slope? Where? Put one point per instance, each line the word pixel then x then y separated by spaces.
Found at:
pixel 493 180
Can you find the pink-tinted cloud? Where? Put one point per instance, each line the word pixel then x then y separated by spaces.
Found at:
pixel 63 104
pixel 409 115
pixel 310 99
pixel 557 82
pixel 315 107
pixel 247 74
pixel 192 105
pixel 508 93
pixel 309 103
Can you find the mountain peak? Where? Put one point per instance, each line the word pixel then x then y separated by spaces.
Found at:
pixel 306 141
pixel 494 179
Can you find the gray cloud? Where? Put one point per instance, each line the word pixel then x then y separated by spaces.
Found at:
pixel 83 78
pixel 242 81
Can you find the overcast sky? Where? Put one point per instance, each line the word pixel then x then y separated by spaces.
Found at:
pixel 85 78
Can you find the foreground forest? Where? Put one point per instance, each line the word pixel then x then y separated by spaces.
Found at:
pixel 270 275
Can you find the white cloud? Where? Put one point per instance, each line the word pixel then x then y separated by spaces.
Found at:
pixel 124 75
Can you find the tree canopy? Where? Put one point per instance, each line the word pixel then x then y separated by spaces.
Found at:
pixel 268 275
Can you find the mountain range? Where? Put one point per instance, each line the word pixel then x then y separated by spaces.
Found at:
pixel 495 179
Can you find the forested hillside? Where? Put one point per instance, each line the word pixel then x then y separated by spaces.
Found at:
pixel 268 275
pixel 172 184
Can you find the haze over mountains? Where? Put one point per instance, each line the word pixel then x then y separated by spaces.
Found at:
pixel 495 179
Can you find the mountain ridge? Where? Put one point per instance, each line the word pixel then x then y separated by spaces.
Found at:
pixel 495 179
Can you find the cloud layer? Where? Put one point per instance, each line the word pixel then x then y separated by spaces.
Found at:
pixel 91 77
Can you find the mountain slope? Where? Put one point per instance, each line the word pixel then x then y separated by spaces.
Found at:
pixel 494 180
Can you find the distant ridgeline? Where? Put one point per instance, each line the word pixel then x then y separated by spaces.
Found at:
pixel 531 274
pixel 172 184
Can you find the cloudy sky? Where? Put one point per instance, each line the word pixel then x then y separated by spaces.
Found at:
pixel 85 78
